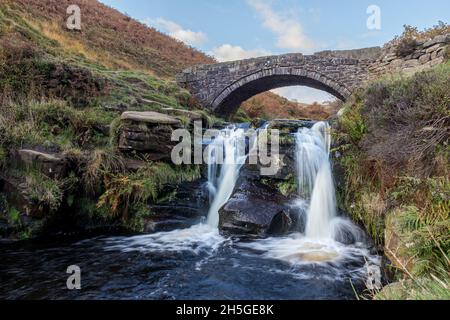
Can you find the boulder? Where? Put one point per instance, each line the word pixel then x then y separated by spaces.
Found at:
pixel 254 209
pixel 411 63
pixel 434 48
pixel 134 164
pixel 148 133
pixel 425 58
pixel 186 206
pixel 445 38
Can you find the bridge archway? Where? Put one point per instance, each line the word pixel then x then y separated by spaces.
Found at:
pixel 230 99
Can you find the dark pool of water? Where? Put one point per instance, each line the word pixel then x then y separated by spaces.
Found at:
pixel 229 271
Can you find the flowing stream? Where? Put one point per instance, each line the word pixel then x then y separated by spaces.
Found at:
pixel 324 260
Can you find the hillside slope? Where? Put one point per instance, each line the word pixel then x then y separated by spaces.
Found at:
pixel 394 153
pixel 270 106
pixel 109 37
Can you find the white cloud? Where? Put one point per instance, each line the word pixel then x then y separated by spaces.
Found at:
pixel 227 52
pixel 304 94
pixel 290 33
pixel 176 31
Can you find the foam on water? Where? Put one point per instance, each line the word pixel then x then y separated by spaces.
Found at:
pixel 198 238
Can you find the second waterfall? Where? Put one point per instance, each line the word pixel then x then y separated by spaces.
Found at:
pixel 315 179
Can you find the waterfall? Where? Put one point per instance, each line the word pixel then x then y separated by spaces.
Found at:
pixel 315 179
pixel 226 155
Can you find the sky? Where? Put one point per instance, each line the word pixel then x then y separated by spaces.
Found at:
pixel 237 29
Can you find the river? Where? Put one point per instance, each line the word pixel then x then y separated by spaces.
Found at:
pixel 199 262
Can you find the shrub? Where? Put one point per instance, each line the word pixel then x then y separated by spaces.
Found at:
pixel 45 192
pixel 407 120
pixel 406 46
pixel 100 164
pixel 352 123
pixel 413 34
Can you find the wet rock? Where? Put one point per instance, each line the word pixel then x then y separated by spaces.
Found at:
pixel 186 205
pixel 281 224
pixel 251 209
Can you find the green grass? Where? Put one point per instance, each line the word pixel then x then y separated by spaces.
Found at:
pixel 45 192
pixel 124 190
pixel 57 96
pixel 427 288
pixel 52 124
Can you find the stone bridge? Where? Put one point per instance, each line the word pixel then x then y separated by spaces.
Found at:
pixel 223 87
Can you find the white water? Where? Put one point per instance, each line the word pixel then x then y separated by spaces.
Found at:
pixel 232 146
pixel 315 179
pixel 325 231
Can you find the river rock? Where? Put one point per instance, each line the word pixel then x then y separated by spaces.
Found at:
pixel 281 224
pixel 252 209
pixel 187 206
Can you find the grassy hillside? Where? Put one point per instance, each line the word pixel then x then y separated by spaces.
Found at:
pixel 108 37
pixel 114 62
pixel 62 93
pixel 394 140
pixel 271 106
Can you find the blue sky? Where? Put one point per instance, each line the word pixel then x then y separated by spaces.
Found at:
pixel 236 29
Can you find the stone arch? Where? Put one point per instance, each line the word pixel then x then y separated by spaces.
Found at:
pixel 229 99
pixel 222 87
